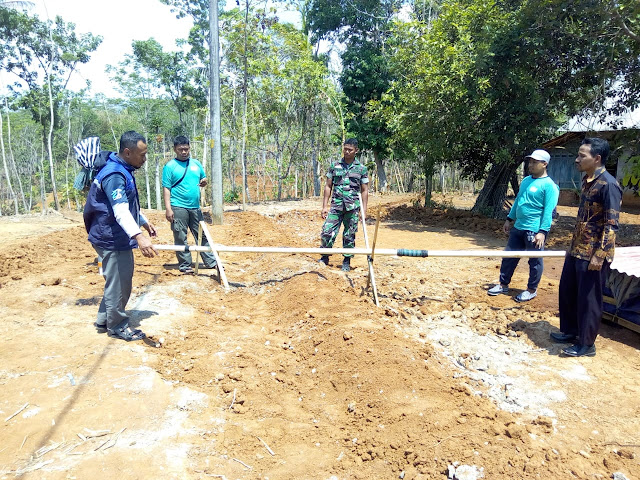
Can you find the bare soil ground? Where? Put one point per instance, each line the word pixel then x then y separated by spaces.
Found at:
pixel 295 373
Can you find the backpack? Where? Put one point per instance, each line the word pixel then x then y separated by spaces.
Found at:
pixel 91 159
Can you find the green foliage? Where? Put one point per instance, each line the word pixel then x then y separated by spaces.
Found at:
pixel 30 47
pixel 487 81
pixel 232 195
pixel 363 26
pixel 631 179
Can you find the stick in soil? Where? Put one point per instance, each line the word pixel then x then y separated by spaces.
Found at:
pixel 114 439
pixel 21 409
pixel 267 447
pixel 233 400
pixel 242 463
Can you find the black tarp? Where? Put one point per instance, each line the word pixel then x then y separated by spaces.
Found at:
pixel 623 285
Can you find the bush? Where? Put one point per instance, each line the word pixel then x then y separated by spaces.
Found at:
pixel 231 196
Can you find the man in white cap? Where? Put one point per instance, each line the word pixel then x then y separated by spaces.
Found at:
pixel 528 224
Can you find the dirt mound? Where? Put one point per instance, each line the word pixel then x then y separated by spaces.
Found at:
pixel 295 373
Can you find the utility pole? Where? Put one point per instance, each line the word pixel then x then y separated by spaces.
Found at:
pixel 214 96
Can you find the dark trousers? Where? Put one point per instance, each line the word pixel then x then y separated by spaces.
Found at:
pixel 580 299
pixel 117 269
pixel 185 219
pixel 521 240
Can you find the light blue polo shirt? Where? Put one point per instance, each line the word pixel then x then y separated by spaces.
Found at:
pixel 187 193
pixel 533 207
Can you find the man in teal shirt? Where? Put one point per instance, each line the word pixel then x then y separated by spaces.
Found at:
pixel 531 215
pixel 182 178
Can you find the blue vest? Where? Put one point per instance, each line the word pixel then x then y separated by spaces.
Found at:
pixel 99 220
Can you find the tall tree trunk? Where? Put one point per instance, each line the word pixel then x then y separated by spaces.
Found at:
pixel 428 190
pixel 245 86
pixel 12 158
pixel 66 166
pixel 50 148
pixel 490 201
pixel 6 169
pixel 43 193
pixel 382 176
pixel 158 186
pixel 279 175
pixel 428 175
pixel 315 165
pixel 231 170
pixel 514 183
pixel 146 174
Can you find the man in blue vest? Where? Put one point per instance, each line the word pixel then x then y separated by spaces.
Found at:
pixel 113 219
pixel 182 178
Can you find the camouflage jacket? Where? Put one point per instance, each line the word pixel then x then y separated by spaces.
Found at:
pixel 597 221
pixel 347 181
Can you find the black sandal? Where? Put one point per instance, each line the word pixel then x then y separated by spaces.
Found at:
pixel 127 334
pixel 100 328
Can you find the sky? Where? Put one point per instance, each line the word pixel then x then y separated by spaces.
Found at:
pixel 143 19
pixel 119 23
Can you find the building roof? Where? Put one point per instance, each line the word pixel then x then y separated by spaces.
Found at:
pixel 627 261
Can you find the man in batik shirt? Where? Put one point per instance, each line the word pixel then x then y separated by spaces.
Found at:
pixel 586 266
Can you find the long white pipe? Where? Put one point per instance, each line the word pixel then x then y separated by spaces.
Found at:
pixel 365 251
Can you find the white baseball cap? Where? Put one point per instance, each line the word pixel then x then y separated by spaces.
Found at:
pixel 541 155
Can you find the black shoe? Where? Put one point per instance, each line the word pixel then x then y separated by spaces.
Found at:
pixel 324 259
pixel 346 265
pixel 100 328
pixel 580 351
pixel 562 337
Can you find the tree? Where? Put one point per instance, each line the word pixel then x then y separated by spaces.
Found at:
pixel 170 71
pixel 363 25
pixel 488 81
pixel 40 52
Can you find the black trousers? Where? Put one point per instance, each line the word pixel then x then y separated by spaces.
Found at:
pixel 580 299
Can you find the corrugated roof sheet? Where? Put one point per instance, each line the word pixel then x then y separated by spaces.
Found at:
pixel 627 261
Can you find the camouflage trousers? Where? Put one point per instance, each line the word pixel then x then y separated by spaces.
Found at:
pixel 331 227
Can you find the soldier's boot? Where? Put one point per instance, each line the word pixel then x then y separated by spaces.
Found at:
pixel 346 264
pixel 324 259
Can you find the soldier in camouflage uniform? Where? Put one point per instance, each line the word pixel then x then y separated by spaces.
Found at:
pixel 346 178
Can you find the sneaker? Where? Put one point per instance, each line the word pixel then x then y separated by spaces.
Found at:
pixel 187 270
pixel 497 290
pixel 346 265
pixel 324 259
pixel 526 296
pixel 211 265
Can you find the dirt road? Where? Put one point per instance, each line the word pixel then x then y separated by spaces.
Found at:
pixel 295 373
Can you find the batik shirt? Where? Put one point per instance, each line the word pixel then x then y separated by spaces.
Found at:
pixel 347 181
pixel 597 221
